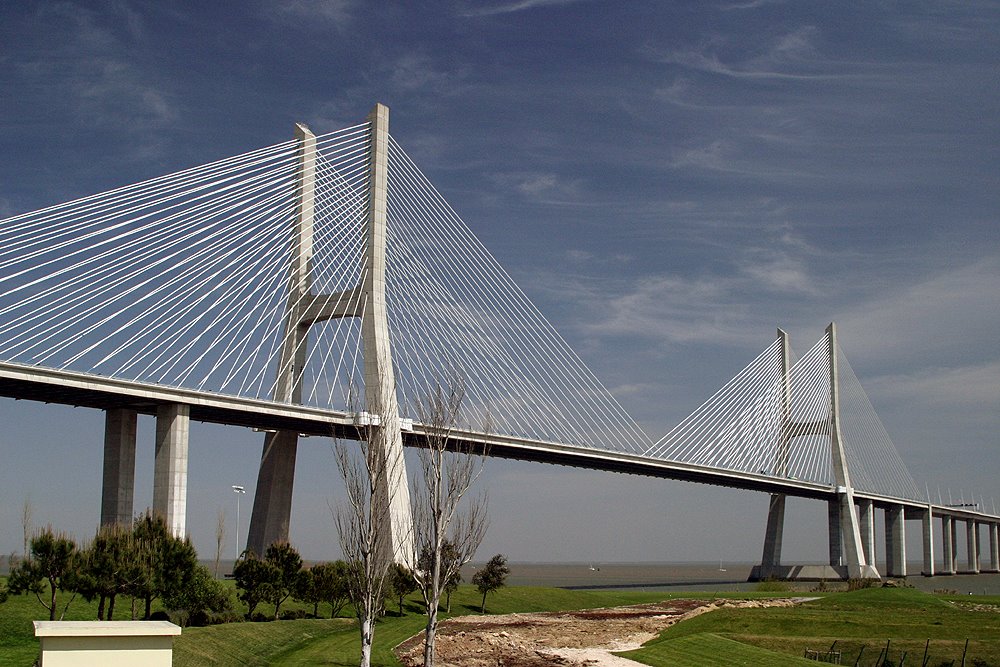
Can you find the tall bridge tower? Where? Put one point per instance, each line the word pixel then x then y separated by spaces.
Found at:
pixel 273 500
pixel 847 548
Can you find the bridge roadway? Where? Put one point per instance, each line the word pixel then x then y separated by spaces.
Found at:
pixel 63 387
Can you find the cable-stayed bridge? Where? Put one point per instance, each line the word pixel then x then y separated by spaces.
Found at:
pixel 302 287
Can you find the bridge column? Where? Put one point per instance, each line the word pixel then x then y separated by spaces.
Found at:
pixel 834 536
pixel 947 544
pixel 954 545
pixel 928 525
pixel 170 466
pixel 119 466
pixel 972 542
pixel 994 547
pixel 772 538
pixel 895 541
pixel 866 512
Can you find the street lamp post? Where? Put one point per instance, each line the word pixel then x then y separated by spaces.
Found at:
pixel 238 490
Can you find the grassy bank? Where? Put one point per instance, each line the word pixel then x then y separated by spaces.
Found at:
pixel 868 618
pixel 773 636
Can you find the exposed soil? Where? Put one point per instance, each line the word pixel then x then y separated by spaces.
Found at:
pixel 563 639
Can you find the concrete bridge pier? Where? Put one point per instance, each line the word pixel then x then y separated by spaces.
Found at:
pixel 171 465
pixel 866 512
pixel 949 530
pixel 834 534
pixel 895 541
pixel 994 547
pixel 947 545
pixel 118 488
pixel 928 531
pixel 771 559
pixel 972 544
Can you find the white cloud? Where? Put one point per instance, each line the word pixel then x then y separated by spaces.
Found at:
pixel 542 187
pixel 963 388
pixel 86 60
pixel 511 7
pixel 930 318
pixel 790 56
pixel 333 11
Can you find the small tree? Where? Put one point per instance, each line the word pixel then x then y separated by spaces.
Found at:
pixel 220 538
pixel 286 565
pixel 203 594
pixel 401 583
pixel 26 524
pixel 492 577
pixel 52 566
pixel 450 555
pixel 166 563
pixel 362 521
pixel 253 579
pixel 332 585
pixel 448 470
pixel 109 566
pixel 305 590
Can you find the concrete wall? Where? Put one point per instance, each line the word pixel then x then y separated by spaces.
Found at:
pixel 106 643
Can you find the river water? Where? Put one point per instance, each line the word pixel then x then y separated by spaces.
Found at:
pixel 698 576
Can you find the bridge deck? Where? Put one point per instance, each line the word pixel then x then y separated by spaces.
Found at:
pixel 92 391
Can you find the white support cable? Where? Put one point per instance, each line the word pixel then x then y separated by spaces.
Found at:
pixel 454 242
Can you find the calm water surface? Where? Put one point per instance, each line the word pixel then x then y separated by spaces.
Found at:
pixel 696 576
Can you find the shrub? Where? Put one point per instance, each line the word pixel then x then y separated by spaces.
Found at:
pixel 857 584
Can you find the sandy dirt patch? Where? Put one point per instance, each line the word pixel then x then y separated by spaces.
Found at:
pixel 584 638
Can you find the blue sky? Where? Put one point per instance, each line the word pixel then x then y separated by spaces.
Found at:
pixel 668 182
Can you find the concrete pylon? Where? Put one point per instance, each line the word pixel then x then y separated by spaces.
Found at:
pixel 771 558
pixel 866 512
pixel 119 466
pixel 271 515
pixel 170 466
pixel 972 545
pixel 850 529
pixel 272 502
pixel 994 547
pixel 947 548
pixel 895 540
pixel 380 382
pixel 849 551
pixel 927 520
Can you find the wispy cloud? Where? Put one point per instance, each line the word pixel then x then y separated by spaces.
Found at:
pixel 972 388
pixel 337 12
pixel 510 7
pixel 541 187
pixel 931 319
pixel 752 4
pixel 86 60
pixel 791 56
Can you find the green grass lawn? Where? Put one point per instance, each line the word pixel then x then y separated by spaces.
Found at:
pixel 867 618
pixel 776 636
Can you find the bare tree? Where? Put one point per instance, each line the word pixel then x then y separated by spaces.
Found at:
pixel 220 538
pixel 448 468
pixel 26 524
pixel 363 523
